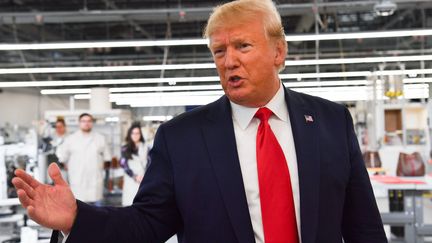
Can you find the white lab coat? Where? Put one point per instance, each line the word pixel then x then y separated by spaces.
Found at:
pixel 138 165
pixel 84 154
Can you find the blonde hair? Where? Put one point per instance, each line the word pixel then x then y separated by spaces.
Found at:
pixel 243 11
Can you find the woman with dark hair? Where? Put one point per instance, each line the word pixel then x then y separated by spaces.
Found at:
pixel 134 162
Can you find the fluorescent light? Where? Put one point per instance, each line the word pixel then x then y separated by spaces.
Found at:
pixel 134 89
pixel 166 88
pixel 331 93
pixel 162 99
pixel 123 96
pixel 417 80
pixel 157 118
pixel 195 87
pixel 325 75
pixel 108 68
pixel 64 91
pixel 361 35
pixel 171 94
pixel 326 83
pixel 112 119
pixel 183 42
pixel 170 101
pixel 82 97
pixel 328 61
pixel 102 44
pixel 417 91
pixel 17 84
pixel 341 93
pixel 297 76
pixel 331 61
pixel 337 93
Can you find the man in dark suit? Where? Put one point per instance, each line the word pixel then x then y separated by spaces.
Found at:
pixel 261 164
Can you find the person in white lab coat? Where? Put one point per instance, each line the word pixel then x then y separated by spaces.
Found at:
pixel 84 153
pixel 134 162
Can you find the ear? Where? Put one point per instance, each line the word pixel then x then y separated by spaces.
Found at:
pixel 280 52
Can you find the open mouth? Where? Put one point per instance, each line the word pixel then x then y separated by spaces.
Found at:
pixel 234 78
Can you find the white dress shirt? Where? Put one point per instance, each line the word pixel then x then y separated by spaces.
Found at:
pixel 245 129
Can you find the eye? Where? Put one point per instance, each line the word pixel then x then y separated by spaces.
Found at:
pixel 218 52
pixel 244 46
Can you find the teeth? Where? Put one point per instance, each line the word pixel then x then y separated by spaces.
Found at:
pixel 235 78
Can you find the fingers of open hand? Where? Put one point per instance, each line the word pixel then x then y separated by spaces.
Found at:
pixel 55 174
pixel 27 178
pixel 25 200
pixel 21 184
pixel 33 214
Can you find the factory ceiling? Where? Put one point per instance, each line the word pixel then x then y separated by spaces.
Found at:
pixel 98 21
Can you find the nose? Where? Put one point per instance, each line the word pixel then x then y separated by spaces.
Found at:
pixel 231 59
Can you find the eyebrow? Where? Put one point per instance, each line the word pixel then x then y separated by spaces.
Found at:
pixel 234 40
pixel 238 39
pixel 215 45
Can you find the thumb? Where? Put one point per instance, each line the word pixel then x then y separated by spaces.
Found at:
pixel 55 174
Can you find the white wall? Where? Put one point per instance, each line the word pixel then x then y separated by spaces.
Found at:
pixel 23 106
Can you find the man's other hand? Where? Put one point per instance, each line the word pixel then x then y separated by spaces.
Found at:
pixel 52 206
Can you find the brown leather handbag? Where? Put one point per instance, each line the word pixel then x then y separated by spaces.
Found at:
pixel 410 165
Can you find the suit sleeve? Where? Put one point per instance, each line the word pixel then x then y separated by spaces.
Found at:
pixel 361 219
pixel 152 218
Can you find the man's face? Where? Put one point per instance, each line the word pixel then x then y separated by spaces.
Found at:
pixel 86 123
pixel 247 63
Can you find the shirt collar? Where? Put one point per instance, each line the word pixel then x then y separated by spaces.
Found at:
pixel 243 115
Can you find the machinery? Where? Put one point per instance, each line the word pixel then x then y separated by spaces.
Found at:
pixel 20 154
pixel 19 151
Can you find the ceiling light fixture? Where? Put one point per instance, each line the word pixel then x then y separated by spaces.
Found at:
pixel 19 84
pixel 195 87
pixel 102 44
pixel 187 42
pixel 216 89
pixel 385 8
pixel 331 93
pixel 64 91
pixel 299 76
pixel 328 61
pixel 157 118
pixel 107 68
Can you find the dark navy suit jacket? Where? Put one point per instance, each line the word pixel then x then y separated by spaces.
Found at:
pixel 194 184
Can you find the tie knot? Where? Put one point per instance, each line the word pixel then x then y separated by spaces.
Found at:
pixel 263 114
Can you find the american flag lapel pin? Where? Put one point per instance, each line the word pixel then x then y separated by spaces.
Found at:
pixel 308 118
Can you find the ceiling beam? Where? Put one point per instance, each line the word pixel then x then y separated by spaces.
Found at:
pixel 191 14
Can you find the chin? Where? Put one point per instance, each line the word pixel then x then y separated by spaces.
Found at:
pixel 240 101
pixel 237 95
pixel 235 98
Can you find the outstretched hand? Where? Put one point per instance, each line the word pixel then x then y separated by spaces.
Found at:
pixel 50 206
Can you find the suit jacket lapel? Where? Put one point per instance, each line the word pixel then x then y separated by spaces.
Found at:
pixel 306 145
pixel 220 140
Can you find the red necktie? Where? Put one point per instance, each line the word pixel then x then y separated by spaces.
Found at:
pixel 277 204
